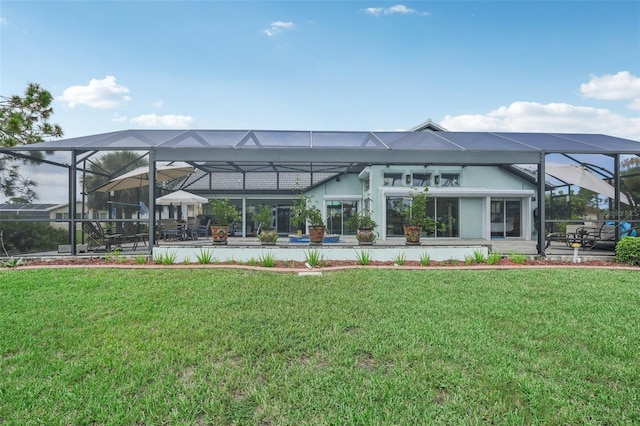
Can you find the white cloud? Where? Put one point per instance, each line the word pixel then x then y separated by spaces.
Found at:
pixel 118 118
pixel 105 93
pixel 163 121
pixel 278 27
pixel 397 9
pixel 157 104
pixel 622 85
pixel 3 21
pixel 549 118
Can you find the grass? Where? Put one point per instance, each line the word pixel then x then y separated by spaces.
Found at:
pixel 166 346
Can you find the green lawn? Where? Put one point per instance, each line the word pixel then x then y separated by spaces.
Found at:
pixel 203 346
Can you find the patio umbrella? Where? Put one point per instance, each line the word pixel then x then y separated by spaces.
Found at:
pixel 182 199
pixel 140 177
pixel 579 176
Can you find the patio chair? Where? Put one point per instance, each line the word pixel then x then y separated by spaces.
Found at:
pixel 203 230
pixel 169 229
pixel 191 230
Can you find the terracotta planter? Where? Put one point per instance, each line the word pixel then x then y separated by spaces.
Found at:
pixel 220 234
pixel 412 234
pixel 316 234
pixel 365 236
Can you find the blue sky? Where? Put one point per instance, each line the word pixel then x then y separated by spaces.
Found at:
pixel 549 66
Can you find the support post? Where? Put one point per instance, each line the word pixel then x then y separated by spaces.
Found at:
pixel 152 199
pixel 541 204
pixel 72 203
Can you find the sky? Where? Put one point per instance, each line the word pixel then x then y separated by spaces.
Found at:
pixel 550 66
pixel 533 66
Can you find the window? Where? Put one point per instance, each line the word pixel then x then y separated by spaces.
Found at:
pixel 421 179
pixel 450 179
pixel 445 210
pixel 392 179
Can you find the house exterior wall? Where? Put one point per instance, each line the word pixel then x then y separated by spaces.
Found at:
pixel 469 195
pixel 473 187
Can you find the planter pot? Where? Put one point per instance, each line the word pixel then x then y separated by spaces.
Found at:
pixel 316 234
pixel 268 237
pixel 220 234
pixel 412 234
pixel 365 236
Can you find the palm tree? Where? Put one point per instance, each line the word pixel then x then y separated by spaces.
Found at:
pixel 107 167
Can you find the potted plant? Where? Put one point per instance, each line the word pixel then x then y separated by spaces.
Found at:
pixel 364 225
pixel 415 216
pixel 223 214
pixel 263 218
pixel 303 212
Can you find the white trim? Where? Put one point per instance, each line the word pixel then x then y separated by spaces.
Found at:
pixel 342 197
pixel 459 192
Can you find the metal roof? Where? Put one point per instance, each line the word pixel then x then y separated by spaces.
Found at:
pixel 333 151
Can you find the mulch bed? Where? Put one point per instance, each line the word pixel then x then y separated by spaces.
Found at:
pixel 293 266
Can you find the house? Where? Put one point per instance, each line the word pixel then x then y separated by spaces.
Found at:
pixel 56 214
pixel 474 189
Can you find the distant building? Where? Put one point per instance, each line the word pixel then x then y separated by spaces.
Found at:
pixel 48 212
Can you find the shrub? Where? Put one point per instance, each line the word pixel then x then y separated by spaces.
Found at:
pixel 313 257
pixel 268 260
pixel 363 257
pixel 12 262
pixel 628 250
pixel 425 259
pixel 204 256
pixel 168 258
pixel 518 258
pixel 494 258
pixel 29 237
pixel 478 256
pixel 400 259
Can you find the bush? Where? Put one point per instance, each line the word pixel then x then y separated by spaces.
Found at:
pixel 28 237
pixel 628 250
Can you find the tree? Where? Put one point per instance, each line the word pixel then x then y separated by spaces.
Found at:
pixel 23 121
pixel 108 166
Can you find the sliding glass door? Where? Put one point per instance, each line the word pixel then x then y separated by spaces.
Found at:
pixel 506 217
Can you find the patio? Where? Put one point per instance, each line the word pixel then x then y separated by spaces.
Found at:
pixel 245 248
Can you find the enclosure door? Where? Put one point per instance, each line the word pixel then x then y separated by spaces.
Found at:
pixel 283 220
pixel 506 214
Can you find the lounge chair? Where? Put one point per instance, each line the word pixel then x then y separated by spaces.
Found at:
pixel 97 236
pixel 604 235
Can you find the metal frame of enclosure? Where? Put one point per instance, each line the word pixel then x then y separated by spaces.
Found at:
pixel 322 154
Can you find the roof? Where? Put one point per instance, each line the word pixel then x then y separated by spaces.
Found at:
pixel 19 207
pixel 276 150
